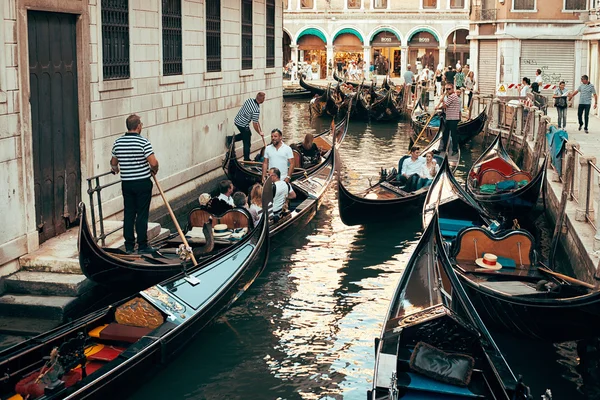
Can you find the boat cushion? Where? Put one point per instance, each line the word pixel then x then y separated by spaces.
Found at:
pixel 123 333
pixel 29 387
pixel 452 368
pixel 487 188
pixel 139 312
pixel 413 381
pixel 454 225
pixel 506 185
pixel 107 353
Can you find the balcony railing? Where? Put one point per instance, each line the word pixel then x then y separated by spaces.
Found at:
pixel 484 14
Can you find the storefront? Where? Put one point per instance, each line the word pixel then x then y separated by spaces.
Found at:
pixel 386 46
pixel 348 48
pixel 423 50
pixel 313 50
pixel 457 48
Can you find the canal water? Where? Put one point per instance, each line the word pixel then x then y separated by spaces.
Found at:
pixel 305 329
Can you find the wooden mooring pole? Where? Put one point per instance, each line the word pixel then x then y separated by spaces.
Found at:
pixel 560 218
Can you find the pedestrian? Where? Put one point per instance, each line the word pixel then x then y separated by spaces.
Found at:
pixel 539 80
pixel 294 77
pixel 451 106
pixel 424 83
pixel 459 82
pixel 587 90
pixel 525 86
pixel 250 111
pixel 278 155
pixel 449 75
pixel 133 156
pixel 438 82
pixel 469 89
pixel 561 104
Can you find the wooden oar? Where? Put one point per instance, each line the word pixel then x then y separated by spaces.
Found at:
pixel 426 124
pixel 566 278
pixel 183 239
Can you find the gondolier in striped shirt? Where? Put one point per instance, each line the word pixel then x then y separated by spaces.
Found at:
pixel 249 112
pixel 133 156
pixel 451 105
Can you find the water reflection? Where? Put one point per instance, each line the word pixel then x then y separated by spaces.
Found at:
pixel 305 329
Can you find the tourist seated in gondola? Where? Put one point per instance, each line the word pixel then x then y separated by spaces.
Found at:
pixel 255 208
pixel 223 202
pixel 410 169
pixel 282 191
pixel 203 200
pixel 428 171
pixel 240 200
pixel 309 152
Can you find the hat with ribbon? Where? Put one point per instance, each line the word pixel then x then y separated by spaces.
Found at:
pixel 489 261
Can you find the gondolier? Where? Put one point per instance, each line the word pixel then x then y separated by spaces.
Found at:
pixel 249 112
pixel 451 106
pixel 135 157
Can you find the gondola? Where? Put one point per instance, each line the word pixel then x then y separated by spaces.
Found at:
pixel 467 130
pixel 245 174
pixel 433 344
pixel 314 89
pixel 296 93
pixel 500 186
pixel 385 109
pixel 103 354
pixel 355 84
pixel 521 297
pixel 323 104
pixel 385 201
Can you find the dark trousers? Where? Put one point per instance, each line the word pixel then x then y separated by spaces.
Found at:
pixel 244 136
pixel 584 108
pixel 409 183
pixel 450 131
pixel 136 199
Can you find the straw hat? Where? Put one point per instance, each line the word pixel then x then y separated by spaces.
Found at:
pixel 489 261
pixel 220 230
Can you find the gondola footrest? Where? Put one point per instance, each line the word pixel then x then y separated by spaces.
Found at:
pixel 455 369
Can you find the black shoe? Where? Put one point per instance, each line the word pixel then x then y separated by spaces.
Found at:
pixel 586 131
pixel 580 125
pixel 147 250
pixel 129 251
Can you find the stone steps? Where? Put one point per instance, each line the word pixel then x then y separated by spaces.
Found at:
pixel 11 326
pixel 47 284
pixel 36 306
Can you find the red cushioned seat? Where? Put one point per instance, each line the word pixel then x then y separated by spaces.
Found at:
pixel 123 333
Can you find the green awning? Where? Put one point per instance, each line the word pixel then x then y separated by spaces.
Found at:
pixel 384 30
pixel 315 32
pixel 351 31
pixel 424 30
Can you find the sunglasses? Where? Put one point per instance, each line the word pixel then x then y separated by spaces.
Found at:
pixel 448 88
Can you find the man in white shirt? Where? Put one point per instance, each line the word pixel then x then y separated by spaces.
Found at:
pixel 278 155
pixel 283 191
pixel 409 173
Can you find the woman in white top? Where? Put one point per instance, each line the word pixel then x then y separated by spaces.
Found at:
pixel 428 171
pixel 256 203
pixel 525 87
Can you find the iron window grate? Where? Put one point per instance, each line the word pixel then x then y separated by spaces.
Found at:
pixel 171 35
pixel 213 35
pixel 246 34
pixel 115 39
pixel 270 33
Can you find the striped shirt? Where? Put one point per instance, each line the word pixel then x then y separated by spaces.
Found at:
pixel 452 107
pixel 586 92
pixel 132 150
pixel 249 112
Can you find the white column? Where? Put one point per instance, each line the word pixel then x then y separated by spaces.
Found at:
pixel 367 57
pixel 289 4
pixel 294 48
pixel 330 60
pixel 404 57
pixel 298 5
pixel 442 56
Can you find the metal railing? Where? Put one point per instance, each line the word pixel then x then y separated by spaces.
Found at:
pixel 482 14
pixel 98 189
pixel 578 173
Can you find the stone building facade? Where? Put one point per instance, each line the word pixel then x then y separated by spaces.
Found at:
pixel 71 71
pixel 419 32
pixel 511 39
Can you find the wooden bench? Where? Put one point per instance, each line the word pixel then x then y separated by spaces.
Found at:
pixel 492 176
pixel 234 218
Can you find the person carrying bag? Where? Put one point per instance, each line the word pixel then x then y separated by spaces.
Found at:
pixel 561 104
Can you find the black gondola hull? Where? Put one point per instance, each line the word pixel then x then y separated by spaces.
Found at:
pixel 466 130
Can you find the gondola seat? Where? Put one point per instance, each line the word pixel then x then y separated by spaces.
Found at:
pixel 516 245
pixel 119 332
pixel 497 164
pixel 234 218
pixel 492 177
pixel 451 227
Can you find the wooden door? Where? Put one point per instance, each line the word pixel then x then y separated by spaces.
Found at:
pixel 54 120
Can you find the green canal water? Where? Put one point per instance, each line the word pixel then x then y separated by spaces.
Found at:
pixel 305 329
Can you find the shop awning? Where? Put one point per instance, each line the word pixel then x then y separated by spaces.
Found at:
pixel 424 30
pixel 314 32
pixel 378 31
pixel 350 31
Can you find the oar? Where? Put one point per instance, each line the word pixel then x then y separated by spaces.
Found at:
pixel 426 124
pixel 183 239
pixel 566 278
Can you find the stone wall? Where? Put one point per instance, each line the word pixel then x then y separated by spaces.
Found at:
pixel 186 117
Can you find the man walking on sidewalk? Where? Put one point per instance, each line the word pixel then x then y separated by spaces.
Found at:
pixel 587 90
pixel 134 154
pixel 249 112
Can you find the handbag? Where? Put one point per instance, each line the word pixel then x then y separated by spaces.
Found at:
pixel 560 102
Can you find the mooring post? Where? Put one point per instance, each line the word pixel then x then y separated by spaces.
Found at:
pixel 537 120
pixel 520 110
pixel 495 112
pixel 585 207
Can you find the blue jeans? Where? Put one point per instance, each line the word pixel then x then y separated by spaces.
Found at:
pixel 562 116
pixel 409 183
pixel 423 182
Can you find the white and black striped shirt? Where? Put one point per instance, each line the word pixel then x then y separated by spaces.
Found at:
pixel 132 151
pixel 250 111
